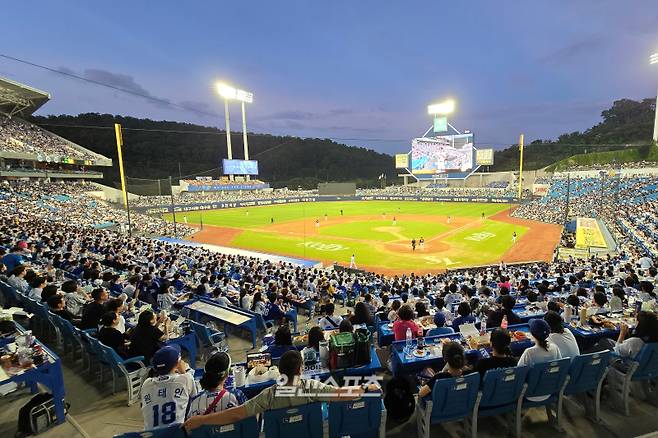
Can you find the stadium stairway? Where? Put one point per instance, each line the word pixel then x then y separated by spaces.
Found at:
pixel 609 240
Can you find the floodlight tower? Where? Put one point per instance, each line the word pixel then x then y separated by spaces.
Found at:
pixel 230 93
pixel 653 59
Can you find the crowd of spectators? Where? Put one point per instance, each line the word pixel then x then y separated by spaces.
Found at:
pixel 611 166
pixel 69 202
pixel 589 197
pixel 188 198
pixel 115 270
pixel 225 181
pixel 498 184
pixel 19 136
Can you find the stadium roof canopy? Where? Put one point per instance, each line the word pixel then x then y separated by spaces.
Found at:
pixel 19 99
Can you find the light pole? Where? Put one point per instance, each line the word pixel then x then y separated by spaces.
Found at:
pixel 227 93
pixel 244 97
pixel 230 93
pixel 653 59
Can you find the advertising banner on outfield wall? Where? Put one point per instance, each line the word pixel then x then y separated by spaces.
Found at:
pixel 257 203
pixel 540 189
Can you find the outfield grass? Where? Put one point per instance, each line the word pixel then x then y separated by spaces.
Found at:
pixel 362 230
pixel 253 217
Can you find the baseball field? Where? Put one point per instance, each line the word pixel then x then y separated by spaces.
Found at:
pixel 379 233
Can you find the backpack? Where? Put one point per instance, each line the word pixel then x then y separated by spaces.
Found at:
pixel 399 399
pixel 341 350
pixel 36 415
pixel 362 343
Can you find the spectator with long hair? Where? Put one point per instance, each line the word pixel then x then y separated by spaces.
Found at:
pixel 111 336
pixel 146 338
pixel 258 303
pixel 282 341
pixel 455 366
pixel 361 315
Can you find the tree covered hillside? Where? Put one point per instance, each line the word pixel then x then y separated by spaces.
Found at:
pixel 159 149
pixel 151 151
pixel 627 124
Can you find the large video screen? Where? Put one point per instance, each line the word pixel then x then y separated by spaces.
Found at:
pixel 240 167
pixel 443 154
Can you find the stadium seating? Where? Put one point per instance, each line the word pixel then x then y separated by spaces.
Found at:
pixel 299 421
pixel 246 428
pixel 501 391
pixel 635 376
pixel 451 400
pixel 208 340
pixel 440 331
pixel 546 379
pixel 363 418
pixel 175 431
pixel 586 376
pixel 19 136
pixel 133 370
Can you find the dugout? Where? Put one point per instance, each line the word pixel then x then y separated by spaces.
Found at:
pixel 342 189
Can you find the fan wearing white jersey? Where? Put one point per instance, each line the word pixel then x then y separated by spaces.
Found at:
pixel 165 397
pixel 214 397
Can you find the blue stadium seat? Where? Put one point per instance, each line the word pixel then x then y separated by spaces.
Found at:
pixel 363 418
pixel 636 373
pixel 247 428
pixel 175 431
pixel 440 331
pixel 451 400
pixel 133 370
pixel 72 336
pixel 11 296
pixel 500 393
pixel 208 340
pixel 545 379
pixel 586 376
pixel 301 421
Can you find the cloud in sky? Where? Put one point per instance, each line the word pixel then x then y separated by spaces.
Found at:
pixel 346 69
pixel 572 51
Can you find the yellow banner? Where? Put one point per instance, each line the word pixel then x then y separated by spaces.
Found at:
pixel 588 234
pixel 401 161
pixel 564 253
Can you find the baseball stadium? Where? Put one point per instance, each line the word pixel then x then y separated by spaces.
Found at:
pixel 166 273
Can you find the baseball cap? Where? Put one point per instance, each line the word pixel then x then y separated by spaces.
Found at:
pixel 22 244
pixel 539 329
pixel 165 359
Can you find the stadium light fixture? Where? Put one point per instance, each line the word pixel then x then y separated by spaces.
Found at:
pixel 442 108
pixel 226 91
pixel 653 59
pixel 230 93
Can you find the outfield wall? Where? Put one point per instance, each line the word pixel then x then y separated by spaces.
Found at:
pixel 295 200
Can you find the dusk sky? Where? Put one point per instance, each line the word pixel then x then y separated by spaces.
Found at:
pixel 361 71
